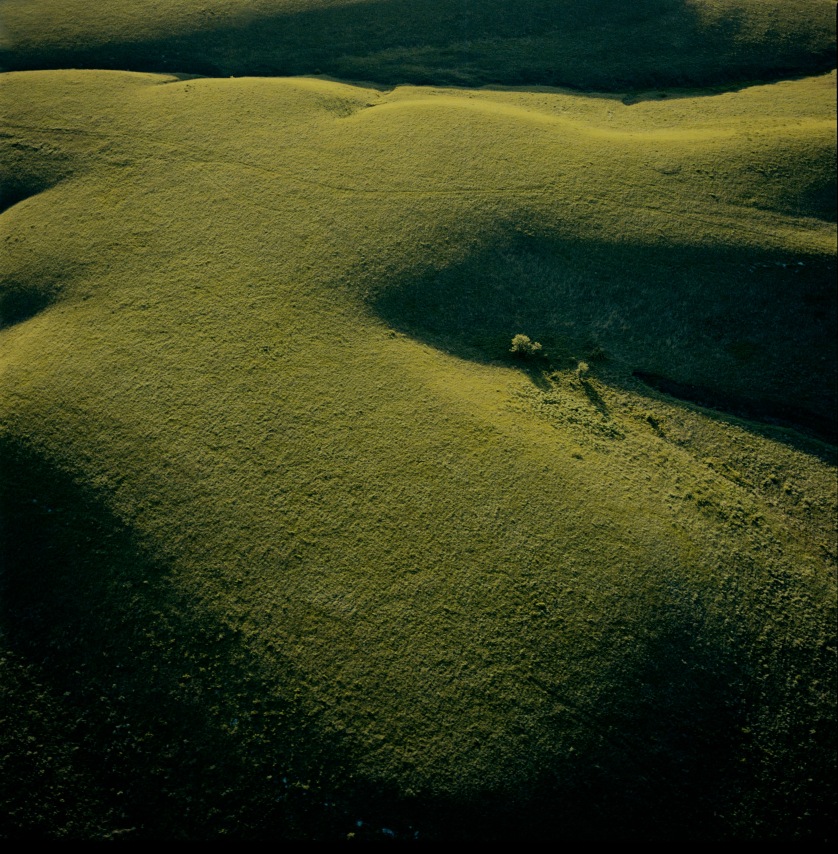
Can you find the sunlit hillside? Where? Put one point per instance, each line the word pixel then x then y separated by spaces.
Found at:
pixel 294 546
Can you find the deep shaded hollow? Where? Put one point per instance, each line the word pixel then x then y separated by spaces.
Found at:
pixel 768 412
pixel 742 324
pixel 21 302
pixel 14 190
pixel 439 42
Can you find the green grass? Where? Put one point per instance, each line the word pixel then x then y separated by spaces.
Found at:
pixel 291 541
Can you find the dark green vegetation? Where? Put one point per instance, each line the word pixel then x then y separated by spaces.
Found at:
pixel 608 45
pixel 294 547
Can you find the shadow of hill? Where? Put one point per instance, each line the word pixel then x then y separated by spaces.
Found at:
pixel 752 325
pixel 20 300
pixel 133 713
pixel 175 730
pixel 604 45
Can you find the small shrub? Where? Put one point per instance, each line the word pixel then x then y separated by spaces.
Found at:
pixel 523 346
pixel 582 370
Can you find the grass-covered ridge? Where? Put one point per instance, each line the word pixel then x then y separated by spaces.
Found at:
pixel 607 45
pixel 284 517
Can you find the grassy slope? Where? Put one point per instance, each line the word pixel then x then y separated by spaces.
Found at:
pixel 253 389
pixel 599 44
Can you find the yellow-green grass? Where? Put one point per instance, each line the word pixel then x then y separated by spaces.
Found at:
pixel 287 527
pixel 596 44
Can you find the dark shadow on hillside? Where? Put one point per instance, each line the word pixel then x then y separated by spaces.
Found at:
pixel 175 730
pixel 604 45
pixel 680 744
pixel 748 326
pixel 170 730
pixel 14 190
pixel 819 427
pixel 671 754
pixel 20 300
pixel 668 761
pixel 595 398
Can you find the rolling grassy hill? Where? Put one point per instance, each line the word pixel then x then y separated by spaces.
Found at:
pixel 295 548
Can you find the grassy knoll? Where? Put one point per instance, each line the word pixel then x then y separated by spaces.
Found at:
pixel 606 45
pixel 294 548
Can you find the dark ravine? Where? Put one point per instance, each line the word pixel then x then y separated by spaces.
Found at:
pixel 764 411
pixel 564 43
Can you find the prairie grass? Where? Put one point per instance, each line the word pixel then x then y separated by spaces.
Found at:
pixel 293 546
